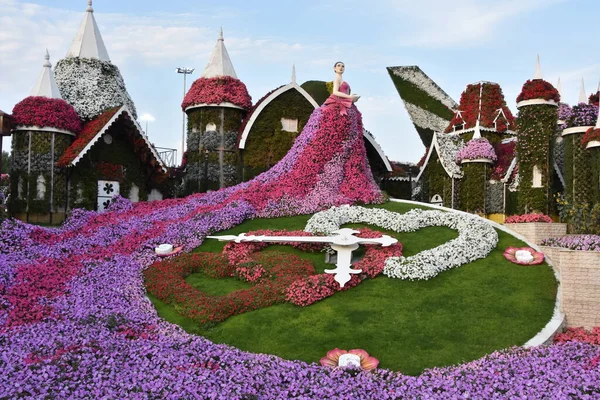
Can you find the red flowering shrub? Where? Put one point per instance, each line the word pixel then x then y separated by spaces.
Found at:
pixel 517 219
pixel 594 98
pixel 221 89
pixel 45 112
pixel 591 134
pixel 110 172
pixel 538 89
pixel 505 153
pixel 90 130
pixel 579 335
pixel 492 101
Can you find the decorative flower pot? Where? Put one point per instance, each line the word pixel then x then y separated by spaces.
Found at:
pixel 534 102
pixel 538 231
pixel 477 160
pixel 576 129
pixel 592 143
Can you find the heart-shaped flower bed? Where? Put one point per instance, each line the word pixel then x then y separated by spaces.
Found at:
pixel 276 277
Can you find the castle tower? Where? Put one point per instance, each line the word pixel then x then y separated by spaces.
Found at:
pixel 45 126
pixel 536 122
pixel 215 105
pixel 591 143
pixel 86 77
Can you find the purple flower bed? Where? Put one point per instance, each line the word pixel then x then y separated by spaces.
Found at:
pixel 75 321
pixel 476 148
pixel 575 242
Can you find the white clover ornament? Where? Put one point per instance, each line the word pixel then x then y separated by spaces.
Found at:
pixel 476 238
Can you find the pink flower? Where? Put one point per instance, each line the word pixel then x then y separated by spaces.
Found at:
pixel 523 255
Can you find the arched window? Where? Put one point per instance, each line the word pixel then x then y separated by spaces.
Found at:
pixel 537 177
pixel 289 125
pixel 210 127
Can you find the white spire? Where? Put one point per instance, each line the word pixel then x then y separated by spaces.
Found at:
pixel 293 73
pixel 582 96
pixel 219 63
pixel 559 87
pixel 46 85
pixel 538 69
pixel 88 42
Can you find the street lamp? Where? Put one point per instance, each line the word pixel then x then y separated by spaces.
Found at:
pixel 185 72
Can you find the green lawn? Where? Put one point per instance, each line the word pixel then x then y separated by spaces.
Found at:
pixel 458 316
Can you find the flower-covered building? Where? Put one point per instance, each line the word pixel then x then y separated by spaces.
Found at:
pixel 75 140
pixel 487 161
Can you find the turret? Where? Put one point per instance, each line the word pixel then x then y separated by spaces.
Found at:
pixel 215 105
pixel 86 77
pixel 536 123
pixel 44 126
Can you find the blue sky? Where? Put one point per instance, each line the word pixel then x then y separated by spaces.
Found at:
pixel 455 43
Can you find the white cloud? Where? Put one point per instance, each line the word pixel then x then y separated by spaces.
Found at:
pixel 147 117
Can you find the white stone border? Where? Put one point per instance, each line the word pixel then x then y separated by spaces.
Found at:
pixel 42 129
pixel 558 318
pixel 575 129
pixel 534 102
pixel 592 143
pixel 477 160
pixel 224 104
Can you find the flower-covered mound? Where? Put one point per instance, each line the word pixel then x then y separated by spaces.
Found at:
pixel 476 149
pixel 100 82
pixel 217 90
pixel 575 242
pixel 483 101
pixel 591 134
pixel 476 237
pixel 45 112
pixel 332 359
pixel 581 114
pixel 524 218
pixel 523 255
pixel 538 89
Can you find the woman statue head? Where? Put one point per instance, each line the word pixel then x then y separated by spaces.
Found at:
pixel 339 67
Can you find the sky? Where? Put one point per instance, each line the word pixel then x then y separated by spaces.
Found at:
pixel 454 42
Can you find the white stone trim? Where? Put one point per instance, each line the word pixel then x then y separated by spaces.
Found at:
pixel 121 110
pixel 592 143
pixel 41 129
pixel 534 102
pixel 371 139
pixel 225 104
pixel 575 129
pixel 477 160
pixel 266 102
pixel 558 318
pixel 510 170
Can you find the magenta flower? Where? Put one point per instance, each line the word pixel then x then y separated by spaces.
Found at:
pixel 523 255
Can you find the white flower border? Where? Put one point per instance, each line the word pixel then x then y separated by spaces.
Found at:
pixel 476 237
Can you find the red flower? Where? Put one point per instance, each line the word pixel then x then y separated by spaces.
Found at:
pixel 45 112
pixel 221 89
pixel 538 89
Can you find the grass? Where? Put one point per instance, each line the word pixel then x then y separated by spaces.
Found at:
pixel 458 316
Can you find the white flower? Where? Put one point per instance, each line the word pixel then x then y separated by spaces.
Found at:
pixel 476 238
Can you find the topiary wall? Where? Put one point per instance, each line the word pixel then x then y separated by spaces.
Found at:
pixel 267 142
pixel 435 180
pixel 473 187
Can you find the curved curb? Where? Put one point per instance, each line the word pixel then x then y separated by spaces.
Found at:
pixel 558 317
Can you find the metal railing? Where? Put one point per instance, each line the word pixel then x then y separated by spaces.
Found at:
pixel 169 156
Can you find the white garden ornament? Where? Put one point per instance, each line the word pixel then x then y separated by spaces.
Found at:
pixel 343 241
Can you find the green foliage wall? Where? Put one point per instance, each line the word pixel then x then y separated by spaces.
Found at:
pixel 535 125
pixel 473 187
pixel 435 180
pixel 267 143
pixel 578 171
pixel 212 154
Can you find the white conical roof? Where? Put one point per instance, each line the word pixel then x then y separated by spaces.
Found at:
pixel 559 87
pixel 582 96
pixel 538 70
pixel 219 63
pixel 46 84
pixel 88 42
